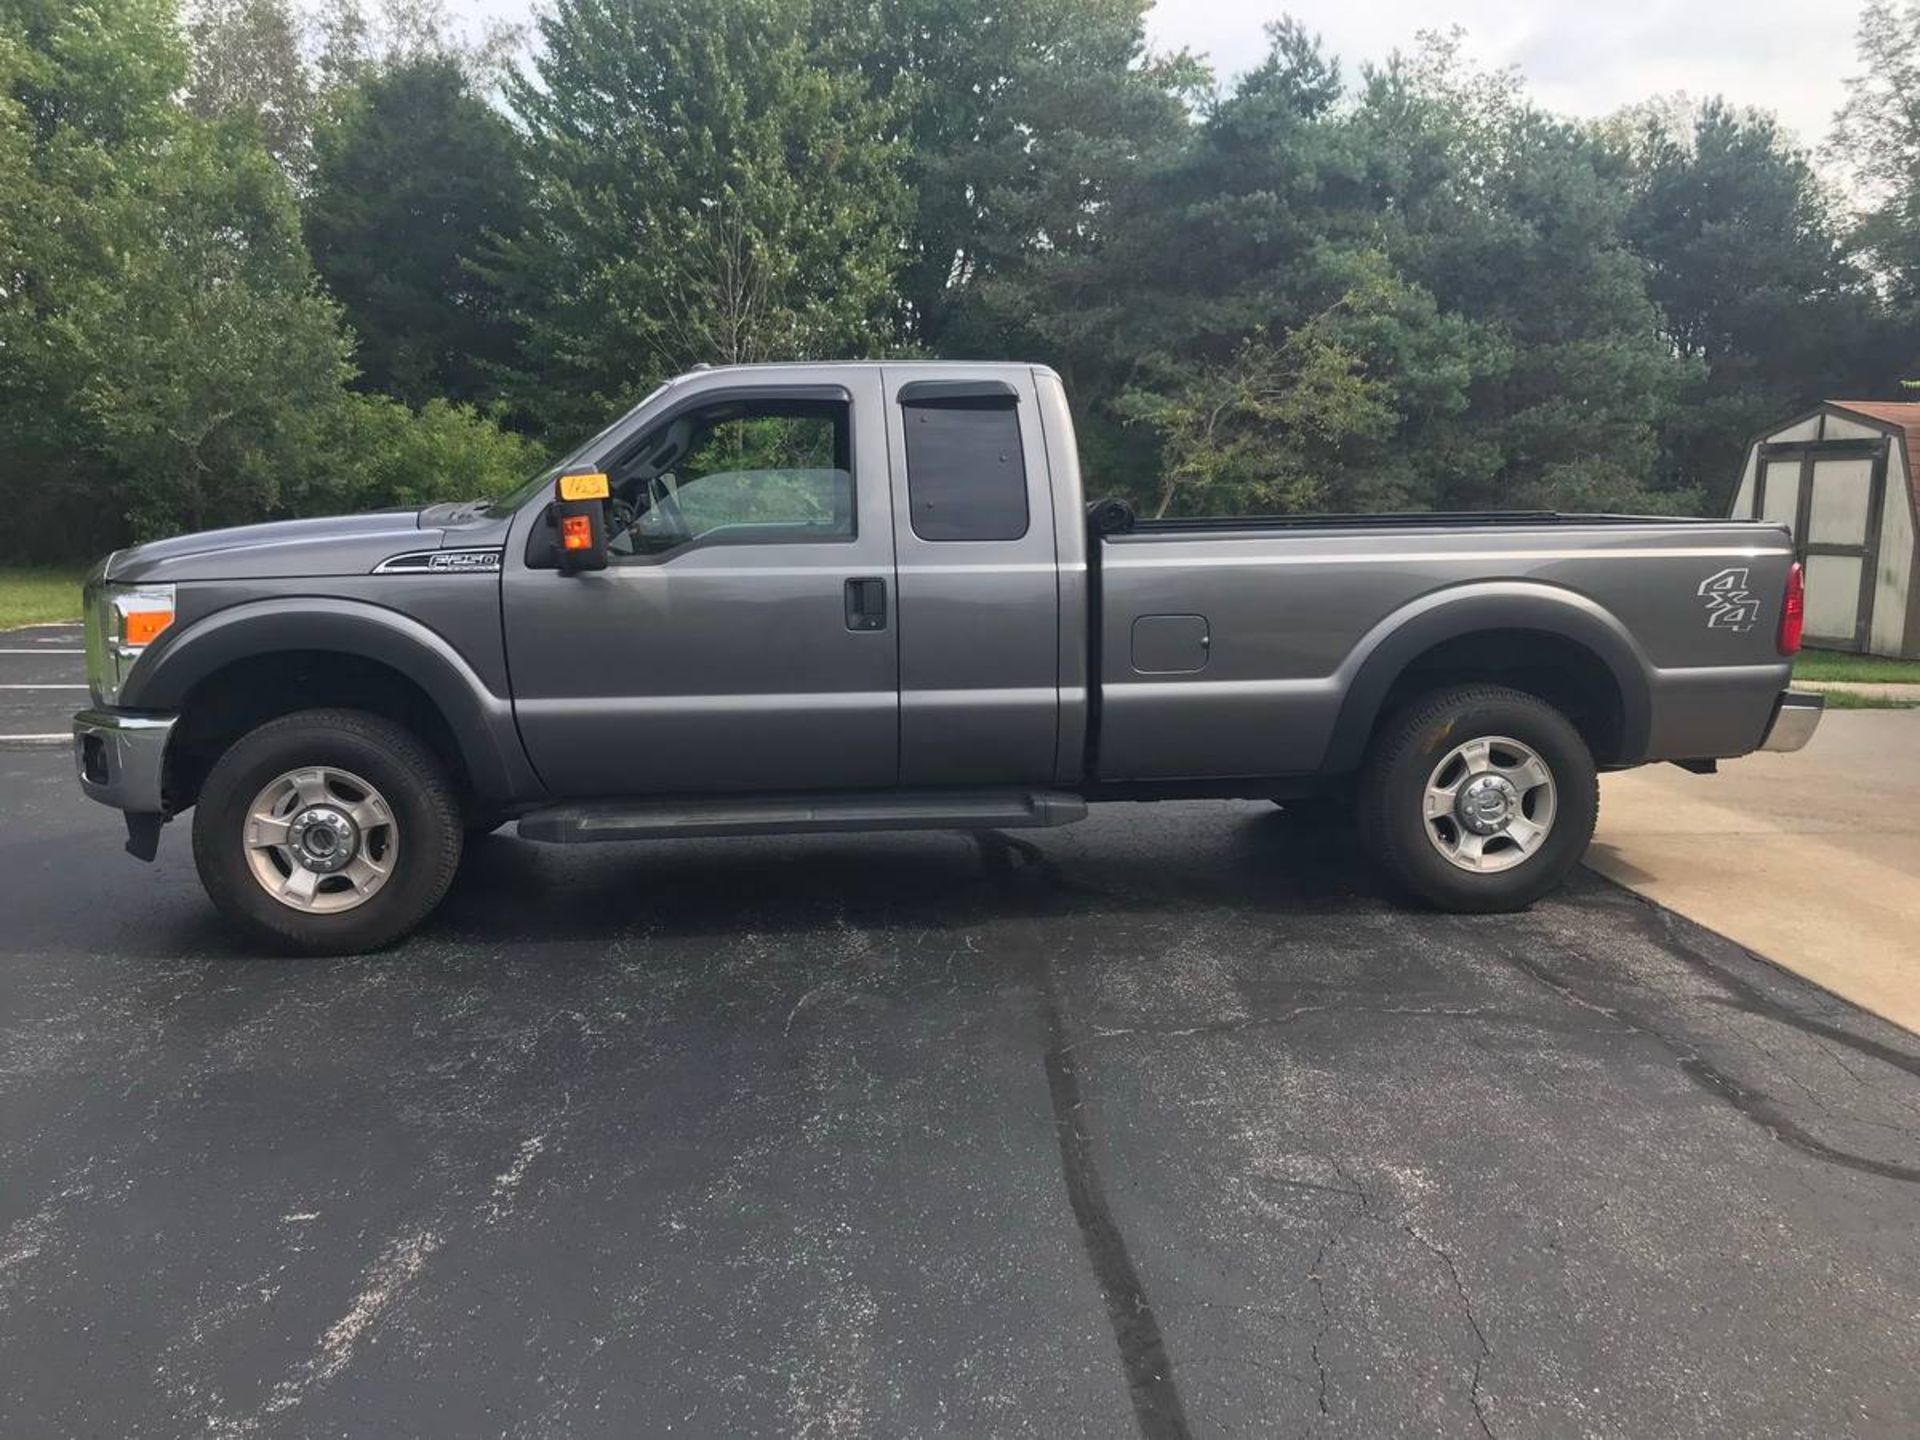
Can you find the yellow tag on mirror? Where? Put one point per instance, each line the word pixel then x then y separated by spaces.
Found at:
pixel 584 487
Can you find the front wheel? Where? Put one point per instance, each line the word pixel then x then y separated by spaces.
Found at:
pixel 327 832
pixel 1478 798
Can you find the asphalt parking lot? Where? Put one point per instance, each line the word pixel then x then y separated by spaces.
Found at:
pixel 1167 1123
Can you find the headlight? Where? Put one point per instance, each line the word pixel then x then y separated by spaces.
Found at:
pixel 122 620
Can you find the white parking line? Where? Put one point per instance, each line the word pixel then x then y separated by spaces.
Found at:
pixel 42 687
pixel 42 652
pixel 59 739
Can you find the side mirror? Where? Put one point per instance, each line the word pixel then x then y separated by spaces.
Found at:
pixel 580 521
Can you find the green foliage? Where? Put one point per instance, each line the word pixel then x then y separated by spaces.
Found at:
pixel 166 360
pixel 1017 120
pixel 209 353
pixel 290 255
pixel 247 65
pixel 1878 137
pixel 386 454
pixel 708 190
pixel 415 176
pixel 1746 262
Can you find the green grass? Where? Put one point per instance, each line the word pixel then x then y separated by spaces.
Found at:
pixel 1867 669
pixel 35 596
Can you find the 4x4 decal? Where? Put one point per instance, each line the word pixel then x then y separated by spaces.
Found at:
pixel 1730 603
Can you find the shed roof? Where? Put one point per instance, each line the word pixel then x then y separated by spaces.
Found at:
pixel 1900 416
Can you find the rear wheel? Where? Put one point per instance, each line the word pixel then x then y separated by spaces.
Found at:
pixel 327 832
pixel 1478 798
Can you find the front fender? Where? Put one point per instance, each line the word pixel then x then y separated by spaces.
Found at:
pixel 1386 651
pixel 481 722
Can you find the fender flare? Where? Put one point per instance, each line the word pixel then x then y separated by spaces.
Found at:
pixel 482 723
pixel 1384 654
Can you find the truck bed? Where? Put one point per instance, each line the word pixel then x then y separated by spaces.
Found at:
pixel 1228 647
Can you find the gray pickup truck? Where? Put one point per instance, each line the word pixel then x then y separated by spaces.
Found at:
pixel 872 596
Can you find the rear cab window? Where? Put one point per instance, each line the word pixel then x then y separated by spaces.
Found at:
pixel 966 477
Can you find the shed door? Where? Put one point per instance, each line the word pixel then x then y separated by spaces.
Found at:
pixel 1830 493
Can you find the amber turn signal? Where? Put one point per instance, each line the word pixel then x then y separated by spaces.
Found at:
pixel 576 532
pixel 142 627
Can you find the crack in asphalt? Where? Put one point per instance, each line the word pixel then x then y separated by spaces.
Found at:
pixel 1157 1406
pixel 1753 1104
pixel 1466 1305
pixel 1749 999
pixel 1158 1409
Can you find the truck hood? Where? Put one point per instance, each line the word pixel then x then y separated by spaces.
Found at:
pixel 290 549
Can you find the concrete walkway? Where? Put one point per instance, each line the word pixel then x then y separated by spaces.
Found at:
pixel 1810 859
pixel 1867 689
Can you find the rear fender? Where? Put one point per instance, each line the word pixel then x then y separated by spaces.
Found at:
pixel 1384 654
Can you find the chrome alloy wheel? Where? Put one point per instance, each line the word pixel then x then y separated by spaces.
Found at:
pixel 1489 804
pixel 320 840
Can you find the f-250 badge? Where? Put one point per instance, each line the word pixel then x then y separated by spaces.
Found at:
pixel 1730 604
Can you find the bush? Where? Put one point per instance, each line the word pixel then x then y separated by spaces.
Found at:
pixel 383 454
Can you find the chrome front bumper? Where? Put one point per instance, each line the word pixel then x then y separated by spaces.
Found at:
pixel 1796 715
pixel 121 758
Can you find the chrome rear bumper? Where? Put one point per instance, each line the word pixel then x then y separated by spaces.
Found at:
pixel 1796 715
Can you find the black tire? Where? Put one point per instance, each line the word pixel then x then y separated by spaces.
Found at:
pixel 425 812
pixel 1393 826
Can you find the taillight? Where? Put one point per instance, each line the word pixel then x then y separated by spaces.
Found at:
pixel 1793 610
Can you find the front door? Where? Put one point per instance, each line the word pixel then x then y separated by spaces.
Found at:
pixel 741 637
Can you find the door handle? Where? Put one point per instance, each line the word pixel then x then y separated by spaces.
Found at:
pixel 866 604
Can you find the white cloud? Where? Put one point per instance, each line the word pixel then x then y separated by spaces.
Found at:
pixel 1583 57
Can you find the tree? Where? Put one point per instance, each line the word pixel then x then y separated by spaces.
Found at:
pixel 247 64
pixel 1746 261
pixel 414 178
pixel 708 188
pixel 1514 220
pixel 213 352
pixel 1877 137
pixel 166 360
pixel 351 44
pixel 86 109
pixel 1018 119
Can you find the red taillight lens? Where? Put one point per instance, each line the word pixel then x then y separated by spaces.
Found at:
pixel 1793 610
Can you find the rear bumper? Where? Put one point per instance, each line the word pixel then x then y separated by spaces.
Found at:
pixel 121 758
pixel 1796 715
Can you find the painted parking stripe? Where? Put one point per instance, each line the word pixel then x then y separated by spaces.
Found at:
pixel 59 738
pixel 42 652
pixel 42 687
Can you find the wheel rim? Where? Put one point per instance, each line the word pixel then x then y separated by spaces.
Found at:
pixel 320 840
pixel 1489 804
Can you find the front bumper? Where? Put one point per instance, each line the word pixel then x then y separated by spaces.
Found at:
pixel 121 758
pixel 1796 715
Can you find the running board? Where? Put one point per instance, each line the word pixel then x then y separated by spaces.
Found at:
pixel 584 823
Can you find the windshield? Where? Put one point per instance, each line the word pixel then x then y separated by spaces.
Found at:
pixel 520 494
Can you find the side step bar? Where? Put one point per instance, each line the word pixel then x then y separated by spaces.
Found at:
pixel 584 823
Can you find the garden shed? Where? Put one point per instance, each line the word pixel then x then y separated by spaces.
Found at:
pixel 1846 479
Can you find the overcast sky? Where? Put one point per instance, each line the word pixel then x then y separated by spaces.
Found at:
pixel 1585 57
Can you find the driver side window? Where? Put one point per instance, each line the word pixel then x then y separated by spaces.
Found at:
pixel 739 472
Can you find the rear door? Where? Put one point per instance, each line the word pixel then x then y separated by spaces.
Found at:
pixel 741 637
pixel 979 603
